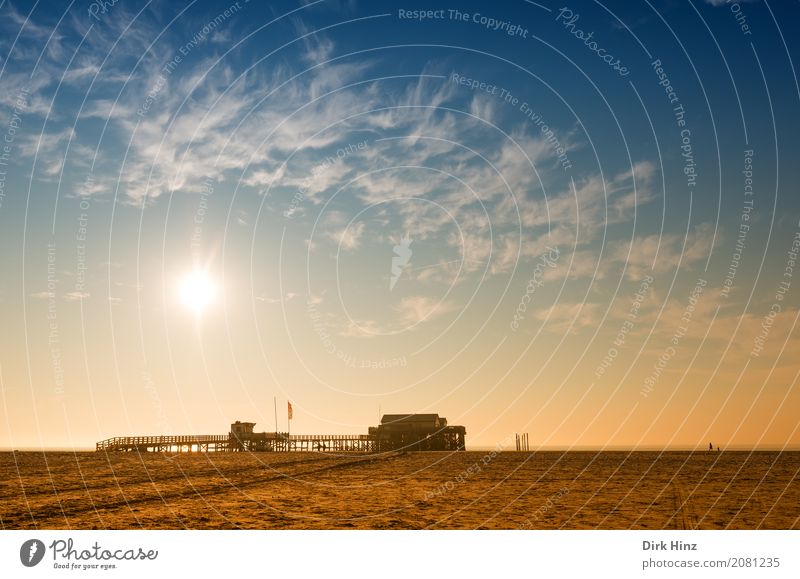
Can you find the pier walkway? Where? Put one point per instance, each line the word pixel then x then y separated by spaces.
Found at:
pixel 256 442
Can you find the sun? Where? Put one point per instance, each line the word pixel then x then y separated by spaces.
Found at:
pixel 197 291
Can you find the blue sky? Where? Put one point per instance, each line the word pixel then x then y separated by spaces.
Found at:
pixel 285 149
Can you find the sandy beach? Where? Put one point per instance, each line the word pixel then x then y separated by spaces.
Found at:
pixel 465 490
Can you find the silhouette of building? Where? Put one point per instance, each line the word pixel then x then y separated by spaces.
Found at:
pixel 242 429
pixel 417 432
pixel 395 432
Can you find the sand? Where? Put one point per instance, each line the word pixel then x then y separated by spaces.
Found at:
pixel 465 490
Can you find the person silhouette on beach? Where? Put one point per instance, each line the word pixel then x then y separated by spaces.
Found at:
pixel 710 446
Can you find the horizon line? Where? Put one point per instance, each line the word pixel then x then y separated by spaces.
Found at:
pixel 481 448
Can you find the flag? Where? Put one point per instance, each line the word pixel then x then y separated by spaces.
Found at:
pixel 290 410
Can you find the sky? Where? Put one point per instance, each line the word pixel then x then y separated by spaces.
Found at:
pixel 578 221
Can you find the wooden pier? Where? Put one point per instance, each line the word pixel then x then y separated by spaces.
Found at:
pixel 397 432
pixel 257 442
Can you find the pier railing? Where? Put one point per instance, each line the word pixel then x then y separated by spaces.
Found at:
pixel 122 442
pixel 231 442
pixel 448 438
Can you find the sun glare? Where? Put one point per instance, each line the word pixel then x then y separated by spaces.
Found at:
pixel 197 291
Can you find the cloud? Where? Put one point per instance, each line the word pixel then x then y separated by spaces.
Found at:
pixel 483 199
pixel 409 314
pixel 563 317
pixel 338 228
pixel 76 296
pixel 654 253
pixel 363 328
pixel 289 296
pixel 413 310
pixel 73 296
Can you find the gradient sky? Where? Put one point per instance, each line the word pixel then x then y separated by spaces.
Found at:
pixel 286 148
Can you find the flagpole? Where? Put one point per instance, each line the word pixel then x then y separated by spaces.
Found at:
pixel 275 404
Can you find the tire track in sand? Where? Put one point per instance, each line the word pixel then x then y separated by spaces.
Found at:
pixel 79 506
